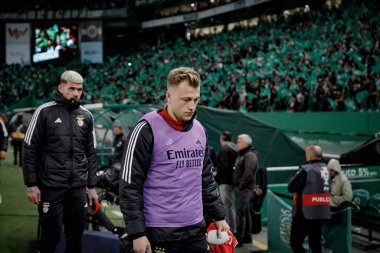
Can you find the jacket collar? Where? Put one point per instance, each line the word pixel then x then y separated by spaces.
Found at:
pixel 61 100
pixel 315 161
pixel 245 150
pixel 182 126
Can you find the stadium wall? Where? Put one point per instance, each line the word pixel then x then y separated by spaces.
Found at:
pixel 349 123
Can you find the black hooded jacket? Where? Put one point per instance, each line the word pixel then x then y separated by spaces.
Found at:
pixel 225 164
pixel 59 146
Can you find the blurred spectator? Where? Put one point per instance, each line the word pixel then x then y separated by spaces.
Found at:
pixel 224 177
pixel 118 145
pixel 17 130
pixel 244 178
pixel 3 139
pixel 341 190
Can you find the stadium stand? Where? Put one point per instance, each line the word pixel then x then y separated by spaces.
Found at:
pixel 319 60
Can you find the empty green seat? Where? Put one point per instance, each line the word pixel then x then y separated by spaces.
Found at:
pixel 361 198
pixel 374 202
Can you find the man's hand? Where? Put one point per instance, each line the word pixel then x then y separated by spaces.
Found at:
pixel 3 154
pixel 141 245
pixel 222 227
pixel 92 195
pixel 34 194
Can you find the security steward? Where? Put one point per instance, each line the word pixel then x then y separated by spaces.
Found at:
pixel 59 165
pixel 311 202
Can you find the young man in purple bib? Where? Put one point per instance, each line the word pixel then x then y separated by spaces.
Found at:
pixel 166 178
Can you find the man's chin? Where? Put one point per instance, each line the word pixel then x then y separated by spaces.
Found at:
pixel 187 117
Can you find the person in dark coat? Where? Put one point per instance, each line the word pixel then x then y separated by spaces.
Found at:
pixel 3 140
pixel 119 143
pixel 224 177
pixel 244 181
pixel 17 130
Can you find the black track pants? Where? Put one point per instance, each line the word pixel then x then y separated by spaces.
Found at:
pixel 196 244
pixel 61 207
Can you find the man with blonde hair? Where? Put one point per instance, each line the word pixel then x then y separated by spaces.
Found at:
pixel 166 179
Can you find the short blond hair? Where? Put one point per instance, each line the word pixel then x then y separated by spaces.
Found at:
pixel 72 77
pixel 178 75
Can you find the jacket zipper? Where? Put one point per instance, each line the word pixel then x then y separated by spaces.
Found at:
pixel 71 150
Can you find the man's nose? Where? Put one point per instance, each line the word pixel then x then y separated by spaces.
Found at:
pixel 192 105
pixel 76 93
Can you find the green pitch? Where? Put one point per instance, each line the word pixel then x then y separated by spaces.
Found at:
pixel 18 217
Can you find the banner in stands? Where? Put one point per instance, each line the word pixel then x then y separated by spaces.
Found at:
pixel 72 14
pixel 336 233
pixel 17 43
pixel 91 38
pixel 92 52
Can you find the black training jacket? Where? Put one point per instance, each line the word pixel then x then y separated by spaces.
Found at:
pixel 59 146
pixel 225 164
pixel 246 169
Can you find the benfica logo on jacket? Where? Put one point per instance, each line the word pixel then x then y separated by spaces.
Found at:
pixel 80 120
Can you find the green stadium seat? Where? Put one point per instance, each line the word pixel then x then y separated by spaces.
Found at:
pixel 360 198
pixel 374 202
pixel 372 215
pixel 366 212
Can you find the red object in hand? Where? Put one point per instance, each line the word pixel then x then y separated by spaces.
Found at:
pixel 96 206
pixel 227 247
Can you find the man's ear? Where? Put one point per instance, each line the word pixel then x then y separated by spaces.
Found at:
pixel 60 87
pixel 168 96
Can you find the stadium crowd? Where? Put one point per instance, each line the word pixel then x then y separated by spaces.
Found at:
pixel 322 60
